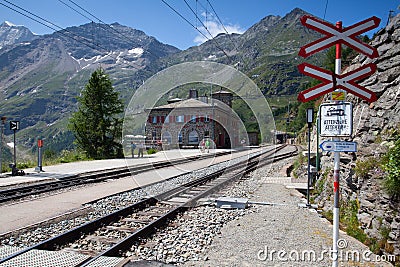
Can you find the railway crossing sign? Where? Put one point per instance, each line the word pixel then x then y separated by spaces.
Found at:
pixel 336 119
pixel 331 81
pixel 338 146
pixel 347 36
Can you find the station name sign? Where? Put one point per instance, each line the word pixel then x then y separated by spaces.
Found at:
pixel 336 119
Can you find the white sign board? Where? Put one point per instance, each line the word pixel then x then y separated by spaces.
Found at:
pixel 336 119
pixel 338 146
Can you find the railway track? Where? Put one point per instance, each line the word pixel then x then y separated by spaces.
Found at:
pixel 102 242
pixel 93 177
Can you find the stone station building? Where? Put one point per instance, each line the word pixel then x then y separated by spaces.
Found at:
pixel 185 123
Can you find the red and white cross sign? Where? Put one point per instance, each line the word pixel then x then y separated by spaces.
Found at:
pixel 347 36
pixel 331 81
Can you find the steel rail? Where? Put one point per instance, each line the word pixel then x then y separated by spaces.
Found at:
pixel 87 228
pixel 93 177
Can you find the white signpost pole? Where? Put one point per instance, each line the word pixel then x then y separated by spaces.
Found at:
pixel 336 168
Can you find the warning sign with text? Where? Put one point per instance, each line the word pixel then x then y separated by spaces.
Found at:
pixel 336 119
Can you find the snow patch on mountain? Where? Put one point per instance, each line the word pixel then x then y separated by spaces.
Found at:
pixel 119 57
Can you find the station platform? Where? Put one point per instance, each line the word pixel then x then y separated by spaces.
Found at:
pixel 30 212
pixel 64 170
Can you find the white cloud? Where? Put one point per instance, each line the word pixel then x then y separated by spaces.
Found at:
pixel 215 28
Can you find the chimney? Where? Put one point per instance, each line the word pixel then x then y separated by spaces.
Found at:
pixel 193 93
pixel 204 99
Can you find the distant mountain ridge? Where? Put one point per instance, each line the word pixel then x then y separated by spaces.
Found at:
pixel 40 79
pixel 12 34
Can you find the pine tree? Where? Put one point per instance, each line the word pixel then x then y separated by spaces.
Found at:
pixel 97 125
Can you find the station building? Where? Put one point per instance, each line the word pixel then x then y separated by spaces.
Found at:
pixel 185 123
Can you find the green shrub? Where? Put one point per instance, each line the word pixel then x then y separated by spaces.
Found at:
pixel 301 159
pixel 348 217
pixel 392 167
pixel 363 167
pixel 151 151
pixel 349 221
pixel 25 165
pixel 71 156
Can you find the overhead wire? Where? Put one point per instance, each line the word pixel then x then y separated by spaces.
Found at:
pixel 83 40
pixel 102 23
pixel 326 8
pixel 229 35
pixel 185 19
pixel 205 27
pixel 74 9
pixel 60 30
pixel 191 24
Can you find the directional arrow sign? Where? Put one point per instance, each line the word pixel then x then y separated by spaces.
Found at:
pixel 338 146
pixel 14 125
pixel 347 36
pixel 331 81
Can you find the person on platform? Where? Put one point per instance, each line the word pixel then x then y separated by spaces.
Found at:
pixel 133 146
pixel 202 146
pixel 207 143
pixel 141 148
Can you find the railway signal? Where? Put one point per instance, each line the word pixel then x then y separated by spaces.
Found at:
pixel 14 126
pixel 331 81
pixel 347 36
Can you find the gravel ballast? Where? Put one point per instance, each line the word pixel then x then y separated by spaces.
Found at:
pixel 282 234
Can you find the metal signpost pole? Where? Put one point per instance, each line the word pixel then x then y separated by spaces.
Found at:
pixel 310 118
pixel 336 168
pixel 317 159
pixel 14 126
pixel 40 156
pixel 1 148
pixel 15 149
pixel 3 121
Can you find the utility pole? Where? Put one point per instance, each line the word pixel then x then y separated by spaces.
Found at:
pixel 390 17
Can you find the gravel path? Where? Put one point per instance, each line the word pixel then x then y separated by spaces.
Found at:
pixel 257 238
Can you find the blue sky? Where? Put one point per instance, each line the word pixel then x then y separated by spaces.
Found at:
pixel 158 20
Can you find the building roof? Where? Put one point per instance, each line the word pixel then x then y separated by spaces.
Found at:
pixel 220 92
pixel 172 100
pixel 188 103
pixel 194 103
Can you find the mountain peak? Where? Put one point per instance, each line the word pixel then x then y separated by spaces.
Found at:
pixel 295 14
pixel 12 34
pixel 9 24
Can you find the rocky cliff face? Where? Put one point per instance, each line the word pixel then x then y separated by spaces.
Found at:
pixel 373 124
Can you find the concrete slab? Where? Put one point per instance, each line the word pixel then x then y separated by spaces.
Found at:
pixel 8 181
pixel 65 170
